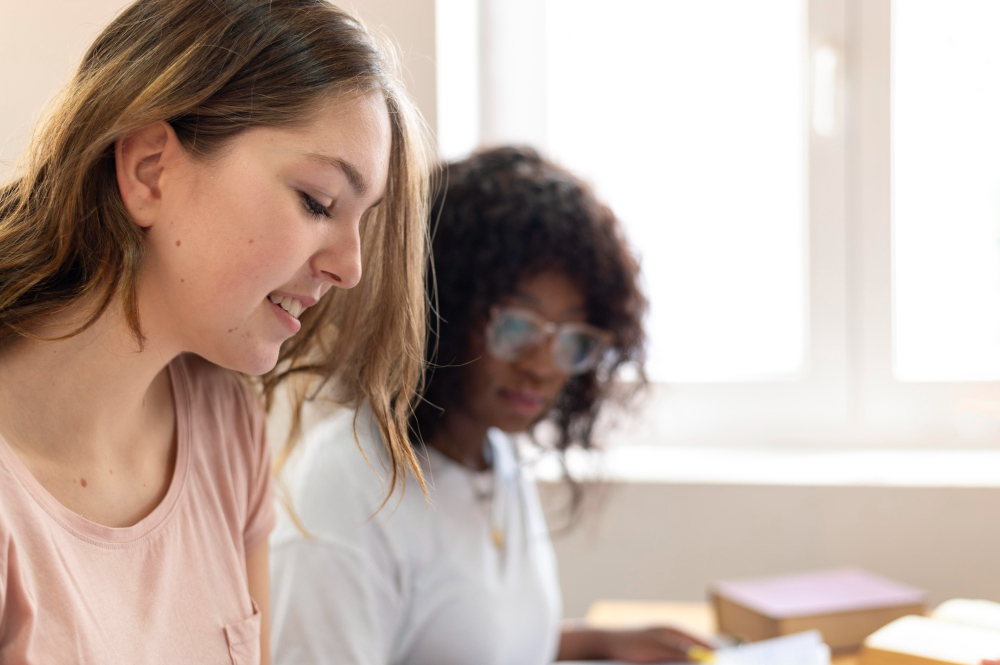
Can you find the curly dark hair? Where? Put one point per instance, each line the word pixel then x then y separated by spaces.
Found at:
pixel 505 214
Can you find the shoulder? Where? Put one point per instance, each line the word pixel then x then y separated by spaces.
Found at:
pixel 340 478
pixel 19 524
pixel 6 540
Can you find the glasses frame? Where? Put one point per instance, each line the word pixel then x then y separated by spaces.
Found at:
pixel 548 331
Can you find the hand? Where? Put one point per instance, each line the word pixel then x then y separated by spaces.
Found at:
pixel 650 645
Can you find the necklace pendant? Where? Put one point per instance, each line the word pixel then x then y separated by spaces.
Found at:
pixel 498 538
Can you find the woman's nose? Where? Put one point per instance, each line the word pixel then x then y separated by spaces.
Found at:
pixel 539 360
pixel 339 259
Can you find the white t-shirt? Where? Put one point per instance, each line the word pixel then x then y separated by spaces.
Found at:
pixel 422 582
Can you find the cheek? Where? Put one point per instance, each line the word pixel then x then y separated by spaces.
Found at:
pixel 483 382
pixel 232 235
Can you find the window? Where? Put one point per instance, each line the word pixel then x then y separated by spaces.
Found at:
pixel 946 190
pixel 702 154
pixel 815 189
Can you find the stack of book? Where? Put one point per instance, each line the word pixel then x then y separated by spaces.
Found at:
pixel 845 605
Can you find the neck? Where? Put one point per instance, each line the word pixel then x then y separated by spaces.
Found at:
pixel 461 437
pixel 97 385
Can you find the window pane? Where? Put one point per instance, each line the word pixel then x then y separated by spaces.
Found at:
pixel 946 189
pixel 689 118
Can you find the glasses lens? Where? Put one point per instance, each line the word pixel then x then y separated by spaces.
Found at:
pixel 577 351
pixel 511 334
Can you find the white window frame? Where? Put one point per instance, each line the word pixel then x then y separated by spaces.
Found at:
pixel 846 395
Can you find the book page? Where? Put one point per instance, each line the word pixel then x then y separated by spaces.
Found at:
pixel 936 639
pixel 799 649
pixel 979 613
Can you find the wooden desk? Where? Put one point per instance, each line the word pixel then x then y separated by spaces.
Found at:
pixel 698 617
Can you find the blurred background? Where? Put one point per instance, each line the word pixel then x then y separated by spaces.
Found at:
pixel 813 187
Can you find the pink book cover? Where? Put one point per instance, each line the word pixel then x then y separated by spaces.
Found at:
pixel 816 593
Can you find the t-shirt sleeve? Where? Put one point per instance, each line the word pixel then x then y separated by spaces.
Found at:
pixel 260 517
pixel 3 583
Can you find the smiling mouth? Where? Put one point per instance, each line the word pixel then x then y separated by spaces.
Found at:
pixel 524 402
pixel 290 305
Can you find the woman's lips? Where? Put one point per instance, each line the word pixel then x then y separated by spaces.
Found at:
pixel 523 402
pixel 290 321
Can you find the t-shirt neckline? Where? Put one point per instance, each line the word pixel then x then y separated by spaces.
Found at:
pixel 504 466
pixel 99 534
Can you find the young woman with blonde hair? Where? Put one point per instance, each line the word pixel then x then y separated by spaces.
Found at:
pixel 212 171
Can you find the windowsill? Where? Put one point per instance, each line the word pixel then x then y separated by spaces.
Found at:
pixel 728 466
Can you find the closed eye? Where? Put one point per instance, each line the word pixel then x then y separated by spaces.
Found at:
pixel 314 207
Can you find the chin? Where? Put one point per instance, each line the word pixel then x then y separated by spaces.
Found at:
pixel 516 424
pixel 259 368
pixel 253 361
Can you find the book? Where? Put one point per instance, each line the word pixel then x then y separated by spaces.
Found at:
pixel 799 649
pixel 982 613
pixel 844 605
pixel 917 640
pixel 802 649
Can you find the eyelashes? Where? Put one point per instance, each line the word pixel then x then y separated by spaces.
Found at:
pixel 314 207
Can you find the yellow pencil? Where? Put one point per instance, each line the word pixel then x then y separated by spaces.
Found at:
pixel 697 654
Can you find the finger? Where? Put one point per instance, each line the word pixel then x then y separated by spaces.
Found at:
pixel 674 648
pixel 691 640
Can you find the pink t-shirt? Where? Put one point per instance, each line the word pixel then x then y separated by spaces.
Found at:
pixel 170 589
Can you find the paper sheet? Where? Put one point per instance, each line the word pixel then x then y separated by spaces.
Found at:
pixel 800 649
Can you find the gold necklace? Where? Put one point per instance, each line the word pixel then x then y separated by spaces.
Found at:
pixel 487 496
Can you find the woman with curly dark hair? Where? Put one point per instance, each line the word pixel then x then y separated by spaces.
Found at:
pixel 538 307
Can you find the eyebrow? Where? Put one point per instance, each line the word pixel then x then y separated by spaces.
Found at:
pixel 532 300
pixel 354 177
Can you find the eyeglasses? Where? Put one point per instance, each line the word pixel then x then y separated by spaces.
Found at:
pixel 576 347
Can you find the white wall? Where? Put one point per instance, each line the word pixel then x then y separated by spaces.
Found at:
pixel 669 541
pixel 410 24
pixel 41 44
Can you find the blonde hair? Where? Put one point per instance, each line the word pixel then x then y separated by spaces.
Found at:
pixel 212 70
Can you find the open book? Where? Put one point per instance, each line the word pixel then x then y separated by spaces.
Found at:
pixel 958 632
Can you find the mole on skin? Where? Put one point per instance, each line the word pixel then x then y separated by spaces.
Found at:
pixel 178 243
pixel 83 481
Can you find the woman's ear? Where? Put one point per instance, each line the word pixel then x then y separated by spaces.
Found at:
pixel 140 159
pixel 477 340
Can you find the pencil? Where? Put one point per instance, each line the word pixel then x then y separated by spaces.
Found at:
pixel 697 654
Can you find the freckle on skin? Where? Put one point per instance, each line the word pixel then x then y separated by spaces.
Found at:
pixel 231 330
pixel 182 280
pixel 178 243
pixel 251 241
pixel 83 481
